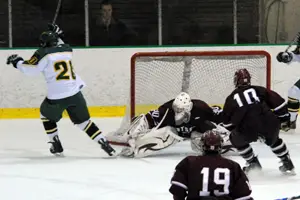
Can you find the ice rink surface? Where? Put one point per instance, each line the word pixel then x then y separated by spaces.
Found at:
pixel 29 172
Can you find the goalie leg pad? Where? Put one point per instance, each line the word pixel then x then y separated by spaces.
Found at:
pixel 155 140
pixel 136 128
pixel 139 125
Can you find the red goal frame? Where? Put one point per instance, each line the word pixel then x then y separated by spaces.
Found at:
pixel 192 53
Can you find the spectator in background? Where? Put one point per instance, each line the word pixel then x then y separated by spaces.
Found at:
pixel 108 31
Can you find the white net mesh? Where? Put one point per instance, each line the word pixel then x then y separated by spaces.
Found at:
pixel 159 79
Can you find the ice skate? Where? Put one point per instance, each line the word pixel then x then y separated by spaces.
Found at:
pixel 127 152
pixel 107 147
pixel 253 165
pixel 56 147
pixel 293 125
pixel 287 166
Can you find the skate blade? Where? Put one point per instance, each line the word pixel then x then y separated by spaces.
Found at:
pixel 126 155
pixel 112 155
pixel 289 172
pixel 59 154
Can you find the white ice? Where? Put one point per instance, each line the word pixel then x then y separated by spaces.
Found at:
pixel 29 172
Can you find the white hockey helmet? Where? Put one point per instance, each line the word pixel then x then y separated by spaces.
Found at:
pixel 182 106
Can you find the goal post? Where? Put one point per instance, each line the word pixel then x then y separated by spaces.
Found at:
pixel 157 77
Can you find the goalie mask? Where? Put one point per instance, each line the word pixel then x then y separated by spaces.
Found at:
pixel 242 77
pixel 182 106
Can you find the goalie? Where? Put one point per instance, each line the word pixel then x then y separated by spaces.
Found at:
pixel 177 120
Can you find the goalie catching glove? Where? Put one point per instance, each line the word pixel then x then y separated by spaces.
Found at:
pixel 284 57
pixel 287 57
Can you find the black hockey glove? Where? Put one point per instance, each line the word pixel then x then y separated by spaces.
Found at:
pixel 55 28
pixel 13 59
pixel 284 57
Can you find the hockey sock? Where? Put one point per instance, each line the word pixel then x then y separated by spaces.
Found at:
pixel 246 152
pixel 91 130
pixel 50 128
pixel 293 108
pixel 279 148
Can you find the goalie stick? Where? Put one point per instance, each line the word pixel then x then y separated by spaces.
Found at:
pixel 155 128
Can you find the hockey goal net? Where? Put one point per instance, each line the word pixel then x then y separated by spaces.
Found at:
pixel 157 77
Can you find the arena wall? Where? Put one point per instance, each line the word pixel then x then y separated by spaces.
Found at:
pixel 107 73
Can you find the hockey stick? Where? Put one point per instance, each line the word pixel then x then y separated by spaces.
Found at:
pixel 56 11
pixel 293 41
pixel 290 198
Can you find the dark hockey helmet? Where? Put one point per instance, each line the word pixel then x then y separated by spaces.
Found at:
pixel 242 77
pixel 211 142
pixel 48 39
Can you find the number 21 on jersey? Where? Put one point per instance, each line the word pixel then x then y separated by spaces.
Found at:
pixel 65 70
pixel 249 95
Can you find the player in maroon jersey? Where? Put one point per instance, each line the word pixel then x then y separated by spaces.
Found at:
pixel 257 112
pixel 176 120
pixel 209 176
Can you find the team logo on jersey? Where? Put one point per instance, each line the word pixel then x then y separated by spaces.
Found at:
pixel 184 131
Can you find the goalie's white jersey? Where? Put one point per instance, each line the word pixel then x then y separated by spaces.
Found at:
pixel 55 64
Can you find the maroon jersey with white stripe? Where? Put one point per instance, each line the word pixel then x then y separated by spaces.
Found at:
pixel 248 103
pixel 209 175
pixel 201 117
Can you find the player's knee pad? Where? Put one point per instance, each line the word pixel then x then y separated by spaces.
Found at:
pixel 270 141
pixel 237 140
pixel 83 125
pixel 51 111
